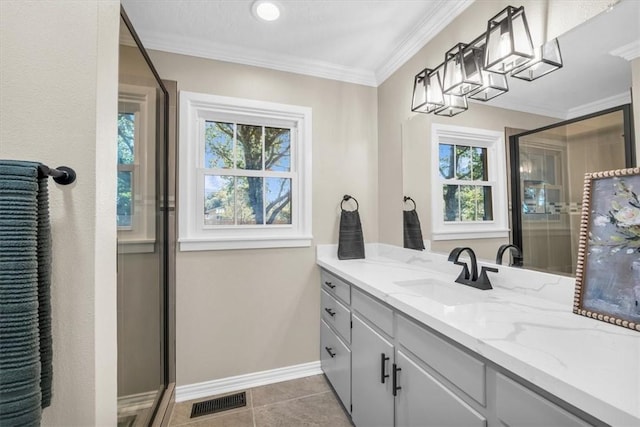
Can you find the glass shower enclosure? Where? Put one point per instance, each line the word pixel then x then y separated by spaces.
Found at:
pixel 143 220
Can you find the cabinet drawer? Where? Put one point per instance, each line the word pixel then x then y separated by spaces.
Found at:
pixel 516 405
pixel 377 313
pixel 463 370
pixel 335 359
pixel 336 315
pixel 336 286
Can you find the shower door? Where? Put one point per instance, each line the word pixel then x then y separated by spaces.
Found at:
pixel 143 256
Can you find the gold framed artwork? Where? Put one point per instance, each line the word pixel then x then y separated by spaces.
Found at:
pixel 608 270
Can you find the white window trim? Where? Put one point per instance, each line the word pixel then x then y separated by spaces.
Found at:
pixel 192 234
pixel 496 157
pixel 140 236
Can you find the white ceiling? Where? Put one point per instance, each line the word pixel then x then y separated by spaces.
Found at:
pixel 358 41
pixel 365 41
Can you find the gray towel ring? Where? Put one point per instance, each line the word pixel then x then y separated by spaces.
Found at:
pixel 407 198
pixel 346 198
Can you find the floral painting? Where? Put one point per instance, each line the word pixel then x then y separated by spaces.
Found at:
pixel 609 279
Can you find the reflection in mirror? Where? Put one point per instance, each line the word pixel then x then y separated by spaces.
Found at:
pixel 592 79
pixel 548 167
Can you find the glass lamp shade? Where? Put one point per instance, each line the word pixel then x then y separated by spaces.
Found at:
pixel 508 41
pixel 462 65
pixel 493 84
pixel 546 59
pixel 427 92
pixel 453 104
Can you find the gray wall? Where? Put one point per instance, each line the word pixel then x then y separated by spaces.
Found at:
pixel 245 311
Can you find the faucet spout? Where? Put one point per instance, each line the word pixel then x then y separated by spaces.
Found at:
pixel 454 257
pixel 515 252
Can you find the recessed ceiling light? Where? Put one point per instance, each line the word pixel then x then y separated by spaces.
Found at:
pixel 266 10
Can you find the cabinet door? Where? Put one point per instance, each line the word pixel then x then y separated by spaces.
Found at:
pixel 335 359
pixel 372 399
pixel 518 406
pixel 423 401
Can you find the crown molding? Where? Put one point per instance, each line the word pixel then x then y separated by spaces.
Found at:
pixel 629 51
pixel 442 15
pixel 599 105
pixel 542 110
pixel 257 58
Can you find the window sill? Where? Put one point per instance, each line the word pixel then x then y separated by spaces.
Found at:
pixel 464 235
pixel 138 246
pixel 187 245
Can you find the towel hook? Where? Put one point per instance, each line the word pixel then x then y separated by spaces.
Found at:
pixel 346 198
pixel 409 199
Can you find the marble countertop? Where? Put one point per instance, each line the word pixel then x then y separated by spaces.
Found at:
pixel 525 324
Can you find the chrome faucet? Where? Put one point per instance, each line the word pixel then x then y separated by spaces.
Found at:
pixel 515 252
pixel 470 278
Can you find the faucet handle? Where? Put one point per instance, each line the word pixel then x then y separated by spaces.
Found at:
pixel 483 281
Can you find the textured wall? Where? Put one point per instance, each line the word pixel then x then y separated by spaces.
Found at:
pixel 59 93
pixel 251 310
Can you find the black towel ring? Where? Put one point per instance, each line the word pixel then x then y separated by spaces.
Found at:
pixel 407 199
pixel 346 198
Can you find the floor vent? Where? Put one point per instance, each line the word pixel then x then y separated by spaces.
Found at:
pixel 219 404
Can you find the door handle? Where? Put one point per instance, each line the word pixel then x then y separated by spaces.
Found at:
pixel 332 354
pixel 383 373
pixel 331 312
pixel 394 383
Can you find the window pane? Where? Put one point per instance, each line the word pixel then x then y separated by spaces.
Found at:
pixel 479 164
pixel 249 200
pixel 447 161
pixel 278 199
pixel 451 208
pixel 218 200
pixel 249 147
pixel 218 145
pixel 463 162
pixel 125 202
pixel 126 138
pixel 468 199
pixel 277 149
pixel 486 204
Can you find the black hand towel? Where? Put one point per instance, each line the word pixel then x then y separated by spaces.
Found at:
pixel 412 232
pixel 350 240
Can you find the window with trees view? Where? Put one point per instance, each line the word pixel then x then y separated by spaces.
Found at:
pixel 469 191
pixel 126 155
pixel 245 173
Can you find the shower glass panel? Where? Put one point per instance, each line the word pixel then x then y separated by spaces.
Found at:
pixel 550 169
pixel 142 231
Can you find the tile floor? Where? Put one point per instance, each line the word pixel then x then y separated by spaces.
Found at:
pixel 308 402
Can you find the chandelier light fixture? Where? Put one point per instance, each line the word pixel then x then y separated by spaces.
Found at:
pixel 479 69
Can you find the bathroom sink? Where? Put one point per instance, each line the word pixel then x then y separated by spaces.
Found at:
pixel 450 294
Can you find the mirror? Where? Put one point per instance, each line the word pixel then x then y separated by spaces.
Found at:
pixel 591 80
pixel 547 178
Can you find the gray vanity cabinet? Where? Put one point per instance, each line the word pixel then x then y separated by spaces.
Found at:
pixel 372 360
pixel 392 371
pixel 335 335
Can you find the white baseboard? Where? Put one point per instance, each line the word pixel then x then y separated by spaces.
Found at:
pixel 241 382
